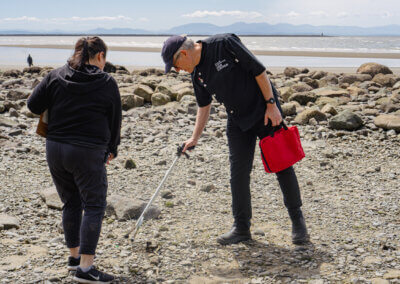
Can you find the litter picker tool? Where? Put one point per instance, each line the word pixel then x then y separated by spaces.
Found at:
pixel 141 218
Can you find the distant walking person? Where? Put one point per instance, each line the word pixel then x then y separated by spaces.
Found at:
pixel 84 114
pixel 30 60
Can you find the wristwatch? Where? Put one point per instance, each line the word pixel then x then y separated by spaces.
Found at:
pixel 270 101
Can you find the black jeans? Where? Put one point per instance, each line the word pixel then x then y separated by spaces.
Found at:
pixel 80 177
pixel 241 154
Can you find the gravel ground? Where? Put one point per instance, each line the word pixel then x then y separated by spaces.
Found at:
pixel 349 182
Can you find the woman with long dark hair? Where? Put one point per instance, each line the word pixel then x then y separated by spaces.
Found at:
pixel 84 121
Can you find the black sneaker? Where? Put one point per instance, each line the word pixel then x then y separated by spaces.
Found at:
pixel 73 263
pixel 92 276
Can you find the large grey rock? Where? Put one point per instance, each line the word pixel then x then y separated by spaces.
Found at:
pixel 25 111
pixel 386 80
pixel 372 69
pixel 159 99
pixel 144 91
pixel 331 92
pixel 131 101
pixel 328 80
pixel 184 92
pixel 346 120
pixel 318 75
pixel 32 70
pixel 302 87
pixel 388 121
pixel 7 122
pixel 396 86
pixel 12 82
pixel 305 116
pixel 303 97
pixel 289 109
pixel 125 208
pixel 291 71
pixel 285 93
pixel 12 73
pixel 356 91
pixel 166 89
pixel 51 198
pixel 328 108
pixel 13 112
pixel 351 78
pixel 311 82
pixel 8 222
pixel 18 94
pixel 151 81
pixel 190 100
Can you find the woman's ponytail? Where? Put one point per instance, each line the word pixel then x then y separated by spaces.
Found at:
pixel 86 48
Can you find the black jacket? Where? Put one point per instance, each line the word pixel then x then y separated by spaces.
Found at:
pixel 227 71
pixel 84 107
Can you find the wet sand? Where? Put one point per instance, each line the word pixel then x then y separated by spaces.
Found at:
pixel 256 52
pixel 274 70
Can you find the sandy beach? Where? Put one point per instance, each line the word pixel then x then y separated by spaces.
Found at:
pixel 256 52
pixel 273 70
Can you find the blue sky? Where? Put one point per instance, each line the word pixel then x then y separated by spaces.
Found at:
pixel 75 15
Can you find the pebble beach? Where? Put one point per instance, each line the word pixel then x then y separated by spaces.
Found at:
pixel 349 122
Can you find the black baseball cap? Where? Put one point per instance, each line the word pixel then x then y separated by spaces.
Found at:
pixel 171 45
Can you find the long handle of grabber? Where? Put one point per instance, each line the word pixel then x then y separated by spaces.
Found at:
pixel 141 218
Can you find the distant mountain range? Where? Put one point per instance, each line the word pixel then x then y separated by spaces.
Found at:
pixel 239 28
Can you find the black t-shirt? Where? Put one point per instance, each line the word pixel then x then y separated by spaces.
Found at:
pixel 227 70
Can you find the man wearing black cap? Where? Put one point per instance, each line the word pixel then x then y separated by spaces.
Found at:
pixel 221 66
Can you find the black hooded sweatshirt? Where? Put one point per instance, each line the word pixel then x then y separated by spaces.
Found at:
pixel 84 107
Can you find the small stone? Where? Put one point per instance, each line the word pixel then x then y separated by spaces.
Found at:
pixel 207 187
pixel 130 164
pixel 159 99
pixel 15 132
pixel 13 112
pixel 161 163
pixel 392 274
pixel 8 222
pixel 125 208
pixel 51 198
pixel 167 195
pixel 379 281
pixel 218 134
pixel 346 120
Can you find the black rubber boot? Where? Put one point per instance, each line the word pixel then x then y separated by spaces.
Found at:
pixel 299 230
pixel 234 236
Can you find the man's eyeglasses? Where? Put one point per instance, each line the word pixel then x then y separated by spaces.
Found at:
pixel 176 59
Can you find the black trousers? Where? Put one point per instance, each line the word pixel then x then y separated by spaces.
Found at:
pixel 80 177
pixel 241 154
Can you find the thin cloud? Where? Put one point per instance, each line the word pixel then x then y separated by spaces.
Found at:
pixel 319 14
pixel 89 19
pixel 237 14
pixel 293 14
pixel 143 19
pixel 342 15
pixel 23 18
pixel 70 19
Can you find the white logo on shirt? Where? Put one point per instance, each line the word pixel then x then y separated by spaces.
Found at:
pixel 221 64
